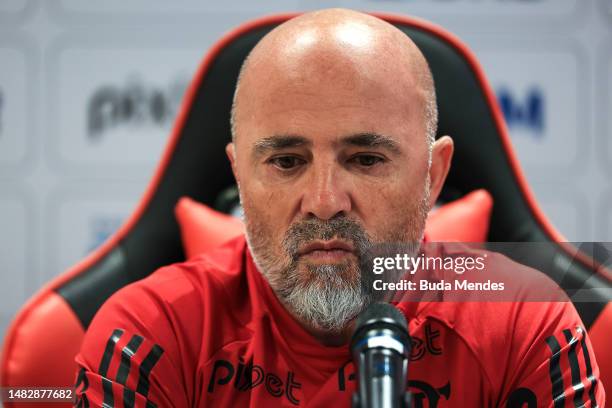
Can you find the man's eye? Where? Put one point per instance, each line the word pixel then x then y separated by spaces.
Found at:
pixel 367 160
pixel 286 162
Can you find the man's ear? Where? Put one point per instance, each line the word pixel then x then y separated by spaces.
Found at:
pixel 441 156
pixel 230 151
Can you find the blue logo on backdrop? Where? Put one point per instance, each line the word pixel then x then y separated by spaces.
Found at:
pixel 100 228
pixel 135 104
pixel 526 112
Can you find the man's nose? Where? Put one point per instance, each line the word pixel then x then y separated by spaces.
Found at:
pixel 325 194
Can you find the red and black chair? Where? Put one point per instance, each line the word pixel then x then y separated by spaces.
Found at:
pixel 46 334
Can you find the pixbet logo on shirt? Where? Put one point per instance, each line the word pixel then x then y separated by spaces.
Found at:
pixel 247 376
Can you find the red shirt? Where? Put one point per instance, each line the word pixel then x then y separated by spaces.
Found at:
pixel 211 332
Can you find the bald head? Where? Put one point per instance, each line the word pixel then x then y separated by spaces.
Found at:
pixel 337 46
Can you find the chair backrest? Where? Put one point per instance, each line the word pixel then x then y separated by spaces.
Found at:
pixel 46 334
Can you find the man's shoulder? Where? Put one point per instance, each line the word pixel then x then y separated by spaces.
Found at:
pixel 169 307
pixel 223 262
pixel 210 271
pixel 183 290
pixel 493 326
pixel 503 328
pixel 530 305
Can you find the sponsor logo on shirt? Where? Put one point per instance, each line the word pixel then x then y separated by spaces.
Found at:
pixel 428 343
pixel 246 376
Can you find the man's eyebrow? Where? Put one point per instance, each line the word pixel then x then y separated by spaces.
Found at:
pixel 278 142
pixel 372 140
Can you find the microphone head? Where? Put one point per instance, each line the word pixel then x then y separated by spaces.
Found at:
pixel 380 320
pixel 381 313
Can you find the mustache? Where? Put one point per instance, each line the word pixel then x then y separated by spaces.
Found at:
pixel 311 229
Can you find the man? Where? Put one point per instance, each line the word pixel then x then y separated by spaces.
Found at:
pixel 333 151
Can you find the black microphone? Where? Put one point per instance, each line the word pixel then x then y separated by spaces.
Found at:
pixel 380 348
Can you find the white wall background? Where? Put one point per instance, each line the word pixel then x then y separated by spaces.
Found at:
pixel 68 179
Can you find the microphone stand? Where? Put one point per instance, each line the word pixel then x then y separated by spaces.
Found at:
pixel 381 350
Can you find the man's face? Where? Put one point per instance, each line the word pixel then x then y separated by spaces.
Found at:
pixel 328 165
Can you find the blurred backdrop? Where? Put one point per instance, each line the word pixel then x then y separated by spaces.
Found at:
pixel 89 91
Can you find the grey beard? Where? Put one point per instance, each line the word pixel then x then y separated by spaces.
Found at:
pixel 335 294
pixel 327 297
pixel 326 303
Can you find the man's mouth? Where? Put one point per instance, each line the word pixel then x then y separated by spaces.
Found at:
pixel 331 251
